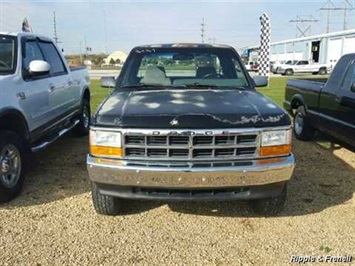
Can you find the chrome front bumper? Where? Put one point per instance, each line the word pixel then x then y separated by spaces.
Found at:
pixel 258 172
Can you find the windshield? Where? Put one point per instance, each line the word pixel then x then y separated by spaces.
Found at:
pixel 183 67
pixel 7 54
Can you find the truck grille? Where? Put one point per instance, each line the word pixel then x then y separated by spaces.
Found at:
pixel 139 146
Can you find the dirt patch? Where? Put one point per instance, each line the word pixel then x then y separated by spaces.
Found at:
pixel 53 223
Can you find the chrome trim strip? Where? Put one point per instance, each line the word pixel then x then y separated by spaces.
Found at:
pixel 331 118
pixel 114 173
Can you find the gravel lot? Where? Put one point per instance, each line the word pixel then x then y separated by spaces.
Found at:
pixel 53 222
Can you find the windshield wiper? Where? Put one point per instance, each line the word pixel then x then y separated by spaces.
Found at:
pixel 144 85
pixel 214 86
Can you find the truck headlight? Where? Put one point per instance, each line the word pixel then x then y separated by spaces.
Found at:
pixel 105 143
pixel 275 143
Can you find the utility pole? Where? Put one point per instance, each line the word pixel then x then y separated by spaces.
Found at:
pixel 347 7
pixel 203 25
pixel 81 55
pixel 56 39
pixel 303 30
pixel 212 40
pixel 329 6
pixel 105 29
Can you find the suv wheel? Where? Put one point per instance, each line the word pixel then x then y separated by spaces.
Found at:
pixel 12 165
pixel 322 71
pixel 270 206
pixel 301 125
pixel 82 129
pixel 103 204
pixel 289 72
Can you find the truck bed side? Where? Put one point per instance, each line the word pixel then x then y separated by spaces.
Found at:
pixel 303 92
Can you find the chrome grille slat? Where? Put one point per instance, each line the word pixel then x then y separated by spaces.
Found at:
pixel 191 147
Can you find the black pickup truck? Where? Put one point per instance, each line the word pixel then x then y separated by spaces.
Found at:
pixel 185 122
pixel 325 105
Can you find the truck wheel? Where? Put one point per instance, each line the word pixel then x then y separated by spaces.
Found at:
pixel 82 129
pixel 270 206
pixel 103 204
pixel 12 165
pixel 322 71
pixel 301 125
pixel 289 72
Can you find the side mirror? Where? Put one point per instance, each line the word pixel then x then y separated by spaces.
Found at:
pixel 39 68
pixel 352 88
pixel 108 82
pixel 261 81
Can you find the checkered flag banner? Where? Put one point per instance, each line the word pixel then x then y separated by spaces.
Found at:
pixel 264 50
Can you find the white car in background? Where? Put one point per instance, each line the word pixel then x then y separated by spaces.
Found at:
pixel 303 66
pixel 281 63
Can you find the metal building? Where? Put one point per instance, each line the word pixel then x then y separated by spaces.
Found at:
pixel 324 48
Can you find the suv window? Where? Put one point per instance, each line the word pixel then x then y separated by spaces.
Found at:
pixel 8 48
pixel 349 78
pixel 32 52
pixel 53 58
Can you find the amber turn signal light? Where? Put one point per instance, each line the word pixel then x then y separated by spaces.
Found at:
pixel 106 151
pixel 275 150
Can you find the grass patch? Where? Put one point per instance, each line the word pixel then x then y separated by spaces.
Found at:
pixel 325 248
pixel 276 89
pixel 98 94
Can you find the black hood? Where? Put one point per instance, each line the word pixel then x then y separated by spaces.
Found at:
pixel 189 109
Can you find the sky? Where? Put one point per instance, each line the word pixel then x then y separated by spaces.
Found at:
pixel 121 25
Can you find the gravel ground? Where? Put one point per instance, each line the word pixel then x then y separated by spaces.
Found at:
pixel 53 221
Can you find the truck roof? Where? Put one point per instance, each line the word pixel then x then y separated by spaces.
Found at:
pixel 183 45
pixel 20 34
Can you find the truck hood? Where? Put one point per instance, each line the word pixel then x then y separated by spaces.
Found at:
pixel 189 109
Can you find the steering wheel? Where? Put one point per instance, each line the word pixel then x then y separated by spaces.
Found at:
pixel 212 75
pixel 4 64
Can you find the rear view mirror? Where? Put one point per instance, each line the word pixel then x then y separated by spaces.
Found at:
pixel 108 82
pixel 260 81
pixel 353 87
pixel 39 68
pixel 183 57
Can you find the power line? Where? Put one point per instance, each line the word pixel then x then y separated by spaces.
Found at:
pixel 304 29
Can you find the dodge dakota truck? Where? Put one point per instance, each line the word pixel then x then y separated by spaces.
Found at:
pixel 302 66
pixel 325 105
pixel 185 122
pixel 41 98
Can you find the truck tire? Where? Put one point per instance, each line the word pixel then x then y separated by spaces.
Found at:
pixel 301 125
pixel 82 129
pixel 289 72
pixel 103 204
pixel 322 71
pixel 270 206
pixel 12 165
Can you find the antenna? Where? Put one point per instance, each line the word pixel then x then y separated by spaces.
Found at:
pixel 304 29
pixel 203 30
pixel 56 39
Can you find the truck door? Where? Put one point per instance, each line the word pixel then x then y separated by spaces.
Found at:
pixel 60 97
pixel 301 66
pixel 337 104
pixel 33 92
pixel 345 106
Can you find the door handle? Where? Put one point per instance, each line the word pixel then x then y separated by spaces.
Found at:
pixel 51 88
pixel 338 99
